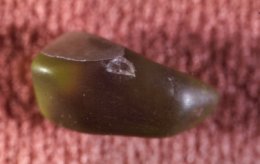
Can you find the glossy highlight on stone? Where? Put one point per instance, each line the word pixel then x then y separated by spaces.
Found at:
pixel 89 84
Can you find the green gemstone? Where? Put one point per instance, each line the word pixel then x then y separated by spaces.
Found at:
pixel 92 85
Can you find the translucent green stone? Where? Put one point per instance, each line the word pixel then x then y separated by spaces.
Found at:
pixel 92 85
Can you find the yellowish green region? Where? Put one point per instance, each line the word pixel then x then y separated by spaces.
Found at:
pixel 53 76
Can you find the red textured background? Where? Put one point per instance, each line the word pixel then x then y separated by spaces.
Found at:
pixel 215 40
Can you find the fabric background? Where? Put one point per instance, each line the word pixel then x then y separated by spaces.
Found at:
pixel 217 41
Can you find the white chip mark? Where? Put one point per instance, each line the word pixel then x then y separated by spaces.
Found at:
pixel 121 66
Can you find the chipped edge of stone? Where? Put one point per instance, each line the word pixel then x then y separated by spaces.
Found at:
pixel 121 66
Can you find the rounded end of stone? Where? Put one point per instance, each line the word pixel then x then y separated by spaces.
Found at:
pixel 197 103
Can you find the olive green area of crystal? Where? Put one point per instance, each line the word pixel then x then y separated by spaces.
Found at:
pixel 85 97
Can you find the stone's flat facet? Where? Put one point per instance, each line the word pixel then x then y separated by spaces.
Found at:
pixel 91 85
pixel 81 47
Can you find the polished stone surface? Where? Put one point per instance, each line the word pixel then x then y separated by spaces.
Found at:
pixel 120 94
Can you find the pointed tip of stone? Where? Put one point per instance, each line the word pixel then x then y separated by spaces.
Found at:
pixel 80 46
